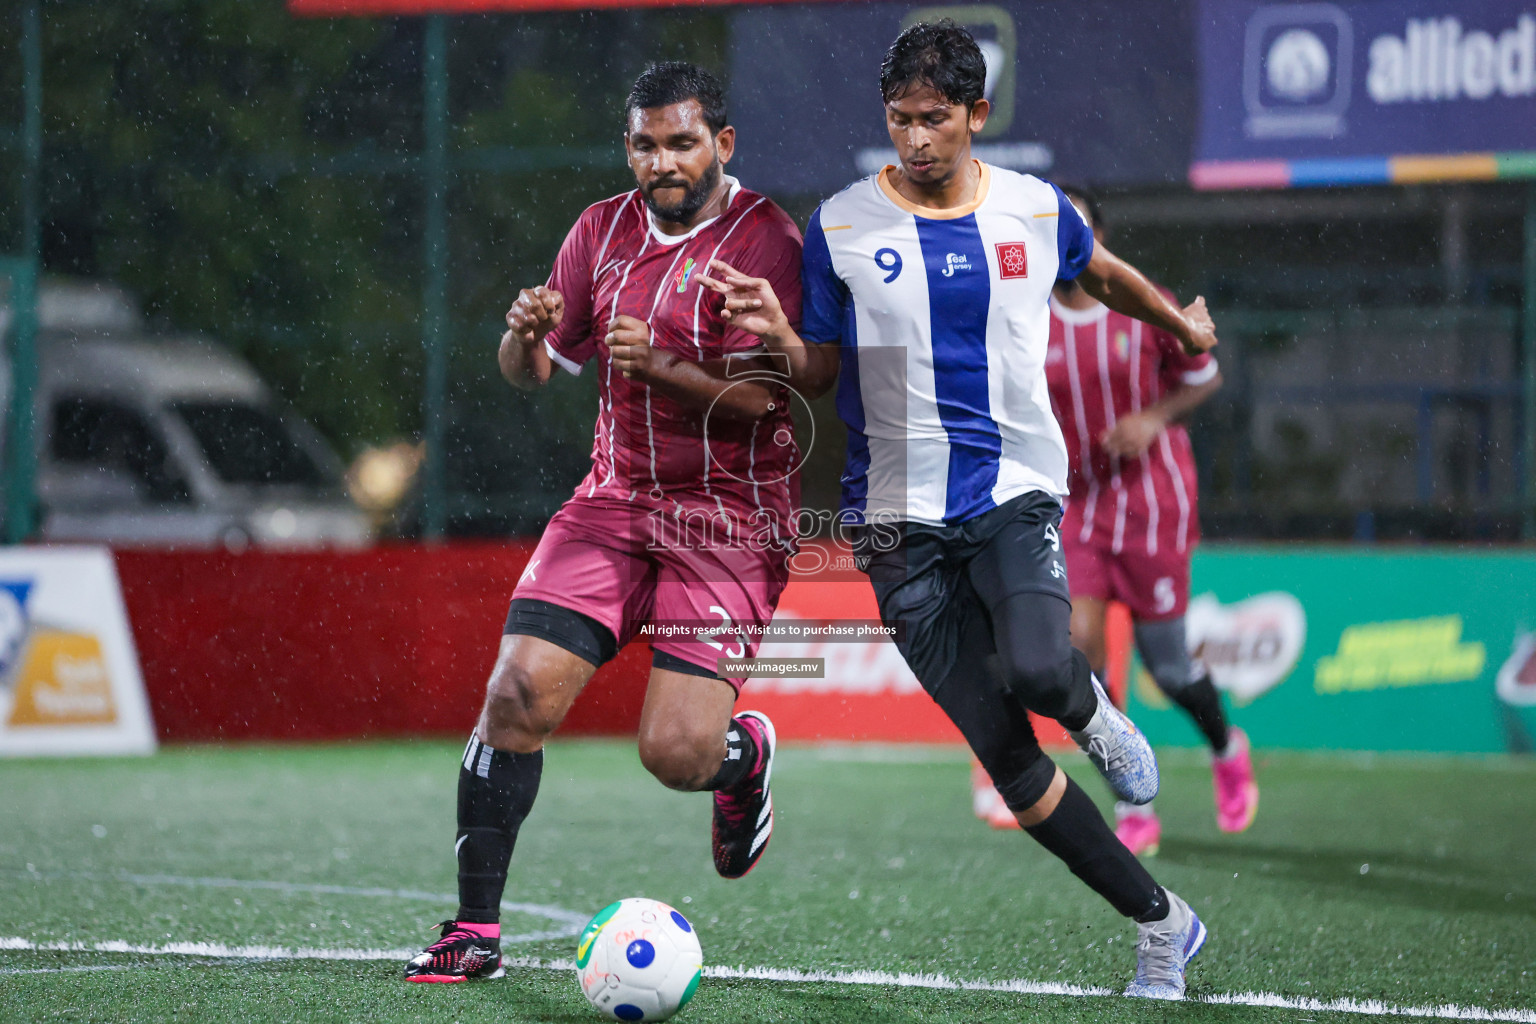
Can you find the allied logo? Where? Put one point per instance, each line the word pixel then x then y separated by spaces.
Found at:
pixel 955 261
pixel 1012 260
pixel 683 274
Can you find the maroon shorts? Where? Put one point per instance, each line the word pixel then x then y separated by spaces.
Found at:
pixel 700 590
pixel 1153 587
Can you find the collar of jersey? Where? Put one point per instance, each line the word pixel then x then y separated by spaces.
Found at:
pixel 952 213
pixel 665 239
pixel 1077 317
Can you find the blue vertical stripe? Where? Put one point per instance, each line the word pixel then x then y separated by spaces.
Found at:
pixel 850 409
pixel 959 295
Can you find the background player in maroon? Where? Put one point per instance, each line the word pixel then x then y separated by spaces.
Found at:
pixel 1120 389
pixel 682 528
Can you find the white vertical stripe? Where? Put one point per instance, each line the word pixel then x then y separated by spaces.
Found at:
pixel 1147 485
pixel 613 310
pixel 1108 395
pixel 470 750
pixel 650 426
pixel 1178 492
pixel 1085 456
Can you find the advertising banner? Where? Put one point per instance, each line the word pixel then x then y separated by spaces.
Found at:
pixel 376 8
pixel 69 675
pixel 1360 650
pixel 1365 92
pixel 1098 91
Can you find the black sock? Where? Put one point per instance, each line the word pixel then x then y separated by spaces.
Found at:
pixel 740 756
pixel 496 791
pixel 1087 701
pixel 1078 834
pixel 1203 703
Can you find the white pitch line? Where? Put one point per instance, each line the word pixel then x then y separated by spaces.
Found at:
pixel 215 950
pixel 572 921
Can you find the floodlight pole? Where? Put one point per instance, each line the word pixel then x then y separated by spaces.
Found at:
pixel 21 459
pixel 435 264
pixel 1528 347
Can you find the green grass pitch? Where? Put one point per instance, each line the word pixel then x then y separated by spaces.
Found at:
pixel 1411 881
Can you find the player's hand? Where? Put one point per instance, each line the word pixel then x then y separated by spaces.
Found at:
pixel 1132 434
pixel 1202 329
pixel 535 313
pixel 629 344
pixel 749 301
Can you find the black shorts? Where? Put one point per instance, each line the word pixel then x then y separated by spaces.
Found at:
pixel 923 575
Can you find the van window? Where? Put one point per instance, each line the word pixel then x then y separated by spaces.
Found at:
pixel 247 444
pixel 92 433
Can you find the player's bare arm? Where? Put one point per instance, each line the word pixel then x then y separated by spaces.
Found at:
pixel 750 303
pixel 699 385
pixel 1134 432
pixel 522 358
pixel 1125 289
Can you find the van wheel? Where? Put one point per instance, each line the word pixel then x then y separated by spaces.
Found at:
pixel 235 539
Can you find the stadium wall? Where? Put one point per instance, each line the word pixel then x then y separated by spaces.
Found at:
pixel 1316 648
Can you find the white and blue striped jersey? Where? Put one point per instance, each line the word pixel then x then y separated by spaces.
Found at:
pixel 943 317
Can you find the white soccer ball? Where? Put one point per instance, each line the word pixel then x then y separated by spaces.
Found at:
pixel 638 959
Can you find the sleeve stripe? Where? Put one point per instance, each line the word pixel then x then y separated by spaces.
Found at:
pixel 1200 376
pixel 574 369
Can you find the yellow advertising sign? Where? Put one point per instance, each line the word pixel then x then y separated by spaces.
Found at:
pixel 1410 652
pixel 62 680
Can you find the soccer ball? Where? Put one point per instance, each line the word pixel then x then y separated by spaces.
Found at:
pixel 638 959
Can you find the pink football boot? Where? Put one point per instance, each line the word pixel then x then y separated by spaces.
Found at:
pixel 1237 794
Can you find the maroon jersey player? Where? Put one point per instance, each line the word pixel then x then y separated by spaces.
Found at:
pixel 682 531
pixel 1120 389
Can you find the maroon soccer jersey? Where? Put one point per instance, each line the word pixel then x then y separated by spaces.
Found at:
pixel 1099 366
pixel 614 262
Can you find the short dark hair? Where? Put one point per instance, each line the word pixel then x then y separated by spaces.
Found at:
pixel 676 81
pixel 1088 199
pixel 941 55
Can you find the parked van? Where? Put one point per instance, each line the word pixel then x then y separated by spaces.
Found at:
pixel 151 440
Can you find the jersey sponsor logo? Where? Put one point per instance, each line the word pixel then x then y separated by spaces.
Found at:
pixel 955 261
pixel 1123 346
pixel 1012 260
pixel 683 274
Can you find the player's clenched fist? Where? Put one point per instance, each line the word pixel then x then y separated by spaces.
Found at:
pixel 1202 329
pixel 629 343
pixel 536 312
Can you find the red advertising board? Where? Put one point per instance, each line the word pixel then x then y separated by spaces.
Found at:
pixel 399 640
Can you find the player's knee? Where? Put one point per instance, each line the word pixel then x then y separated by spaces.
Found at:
pixel 1041 677
pixel 680 758
pixel 517 708
pixel 1026 780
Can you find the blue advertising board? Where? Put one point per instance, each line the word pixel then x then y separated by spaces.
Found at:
pixel 1096 91
pixel 1365 91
